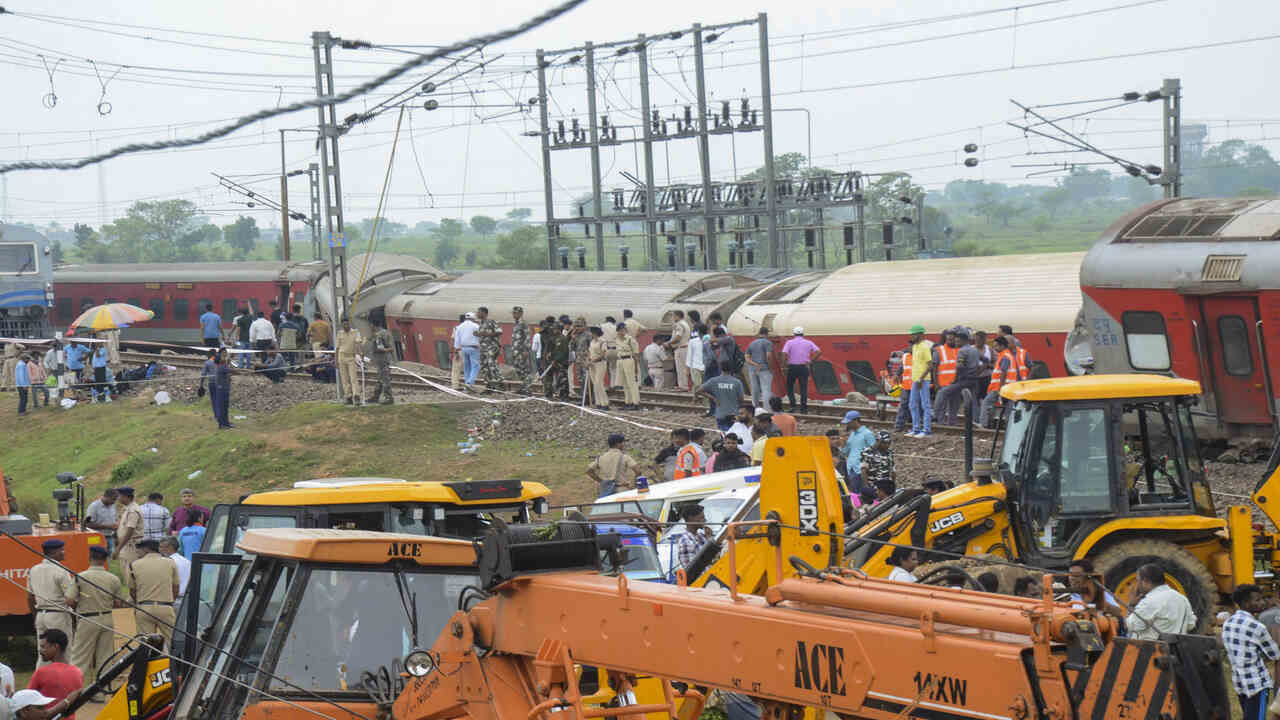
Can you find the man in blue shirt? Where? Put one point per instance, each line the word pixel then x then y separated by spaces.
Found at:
pixel 100 383
pixel 860 439
pixel 75 355
pixel 22 380
pixel 211 327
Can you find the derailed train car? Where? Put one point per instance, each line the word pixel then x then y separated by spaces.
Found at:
pixel 423 318
pixel 1191 288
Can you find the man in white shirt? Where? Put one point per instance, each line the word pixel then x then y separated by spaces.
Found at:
pixel 169 549
pixel 455 357
pixel 903 560
pixel 742 428
pixel 469 346
pixel 1160 608
pixel 655 357
pixel 262 334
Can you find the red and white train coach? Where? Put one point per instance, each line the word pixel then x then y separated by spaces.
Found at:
pixel 859 314
pixel 423 318
pixel 1191 287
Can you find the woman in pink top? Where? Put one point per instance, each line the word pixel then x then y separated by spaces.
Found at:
pixel 798 354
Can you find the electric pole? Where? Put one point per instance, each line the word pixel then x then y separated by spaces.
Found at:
pixel 284 202
pixel 313 173
pixel 331 182
pixel 1171 93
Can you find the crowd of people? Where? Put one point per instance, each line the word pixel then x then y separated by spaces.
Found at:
pixel 45 373
pixel 930 378
pixel 74 611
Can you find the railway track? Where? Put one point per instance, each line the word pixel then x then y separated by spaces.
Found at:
pixel 657 399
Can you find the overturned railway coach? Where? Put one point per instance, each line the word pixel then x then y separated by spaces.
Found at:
pixel 423 319
pixel 859 314
pixel 1191 288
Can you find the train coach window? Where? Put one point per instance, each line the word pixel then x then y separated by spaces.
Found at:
pixel 1039 370
pixel 86 303
pixel 181 308
pixel 1145 340
pixel 1237 357
pixel 443 361
pixel 64 310
pixel 824 378
pixel 863 377
pixel 134 302
pixel 228 310
pixel 203 304
pixel 157 306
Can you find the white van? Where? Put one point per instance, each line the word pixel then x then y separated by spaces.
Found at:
pixel 734 505
pixel 664 500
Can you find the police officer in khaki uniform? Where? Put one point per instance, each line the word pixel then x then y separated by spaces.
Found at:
pixel 128 529
pixel 346 345
pixel 615 470
pixel 100 591
pixel 153 581
pixel 597 356
pixel 628 367
pixel 51 592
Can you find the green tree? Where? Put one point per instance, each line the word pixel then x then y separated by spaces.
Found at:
pixel 447 236
pixel 89 245
pixel 55 250
pixel 1085 185
pixel 524 248
pixel 1054 200
pixel 1230 167
pixel 515 218
pixel 150 231
pixel 242 236
pixel 470 259
pixel 484 225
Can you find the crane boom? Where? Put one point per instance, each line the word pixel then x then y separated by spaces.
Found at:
pixel 861 648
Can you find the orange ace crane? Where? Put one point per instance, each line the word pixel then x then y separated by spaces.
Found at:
pixel 833 641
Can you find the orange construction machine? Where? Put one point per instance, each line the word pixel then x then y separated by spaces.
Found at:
pixel 15 561
pixel 834 641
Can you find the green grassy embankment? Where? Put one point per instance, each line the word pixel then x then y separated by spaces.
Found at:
pixel 112 445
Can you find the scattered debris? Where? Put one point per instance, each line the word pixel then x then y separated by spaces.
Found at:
pixel 194 475
pixel 163 398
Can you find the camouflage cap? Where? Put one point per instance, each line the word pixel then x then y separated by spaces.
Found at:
pixel 517 309
pixel 580 321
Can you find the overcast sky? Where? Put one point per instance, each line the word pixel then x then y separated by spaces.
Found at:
pixel 845 64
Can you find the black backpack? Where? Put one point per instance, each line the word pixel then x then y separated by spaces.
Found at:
pixel 737 359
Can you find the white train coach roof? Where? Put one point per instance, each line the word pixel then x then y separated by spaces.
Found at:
pixel 1032 293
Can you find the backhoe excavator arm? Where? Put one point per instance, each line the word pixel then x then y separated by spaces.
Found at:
pixel 861 648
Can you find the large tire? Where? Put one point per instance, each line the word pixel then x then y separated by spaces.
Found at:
pixel 1118 565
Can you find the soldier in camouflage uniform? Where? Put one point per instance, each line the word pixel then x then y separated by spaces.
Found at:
pixel 556 348
pixel 580 342
pixel 521 352
pixel 490 347
pixel 381 345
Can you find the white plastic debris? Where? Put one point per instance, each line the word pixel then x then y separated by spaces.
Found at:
pixel 194 475
pixel 154 450
pixel 67 403
pixel 241 417
pixel 162 398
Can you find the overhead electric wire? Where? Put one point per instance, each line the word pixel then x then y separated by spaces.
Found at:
pixel 264 114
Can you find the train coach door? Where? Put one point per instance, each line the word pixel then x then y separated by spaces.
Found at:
pixel 1239 373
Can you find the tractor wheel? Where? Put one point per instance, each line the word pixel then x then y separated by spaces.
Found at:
pixel 973 567
pixel 1119 565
